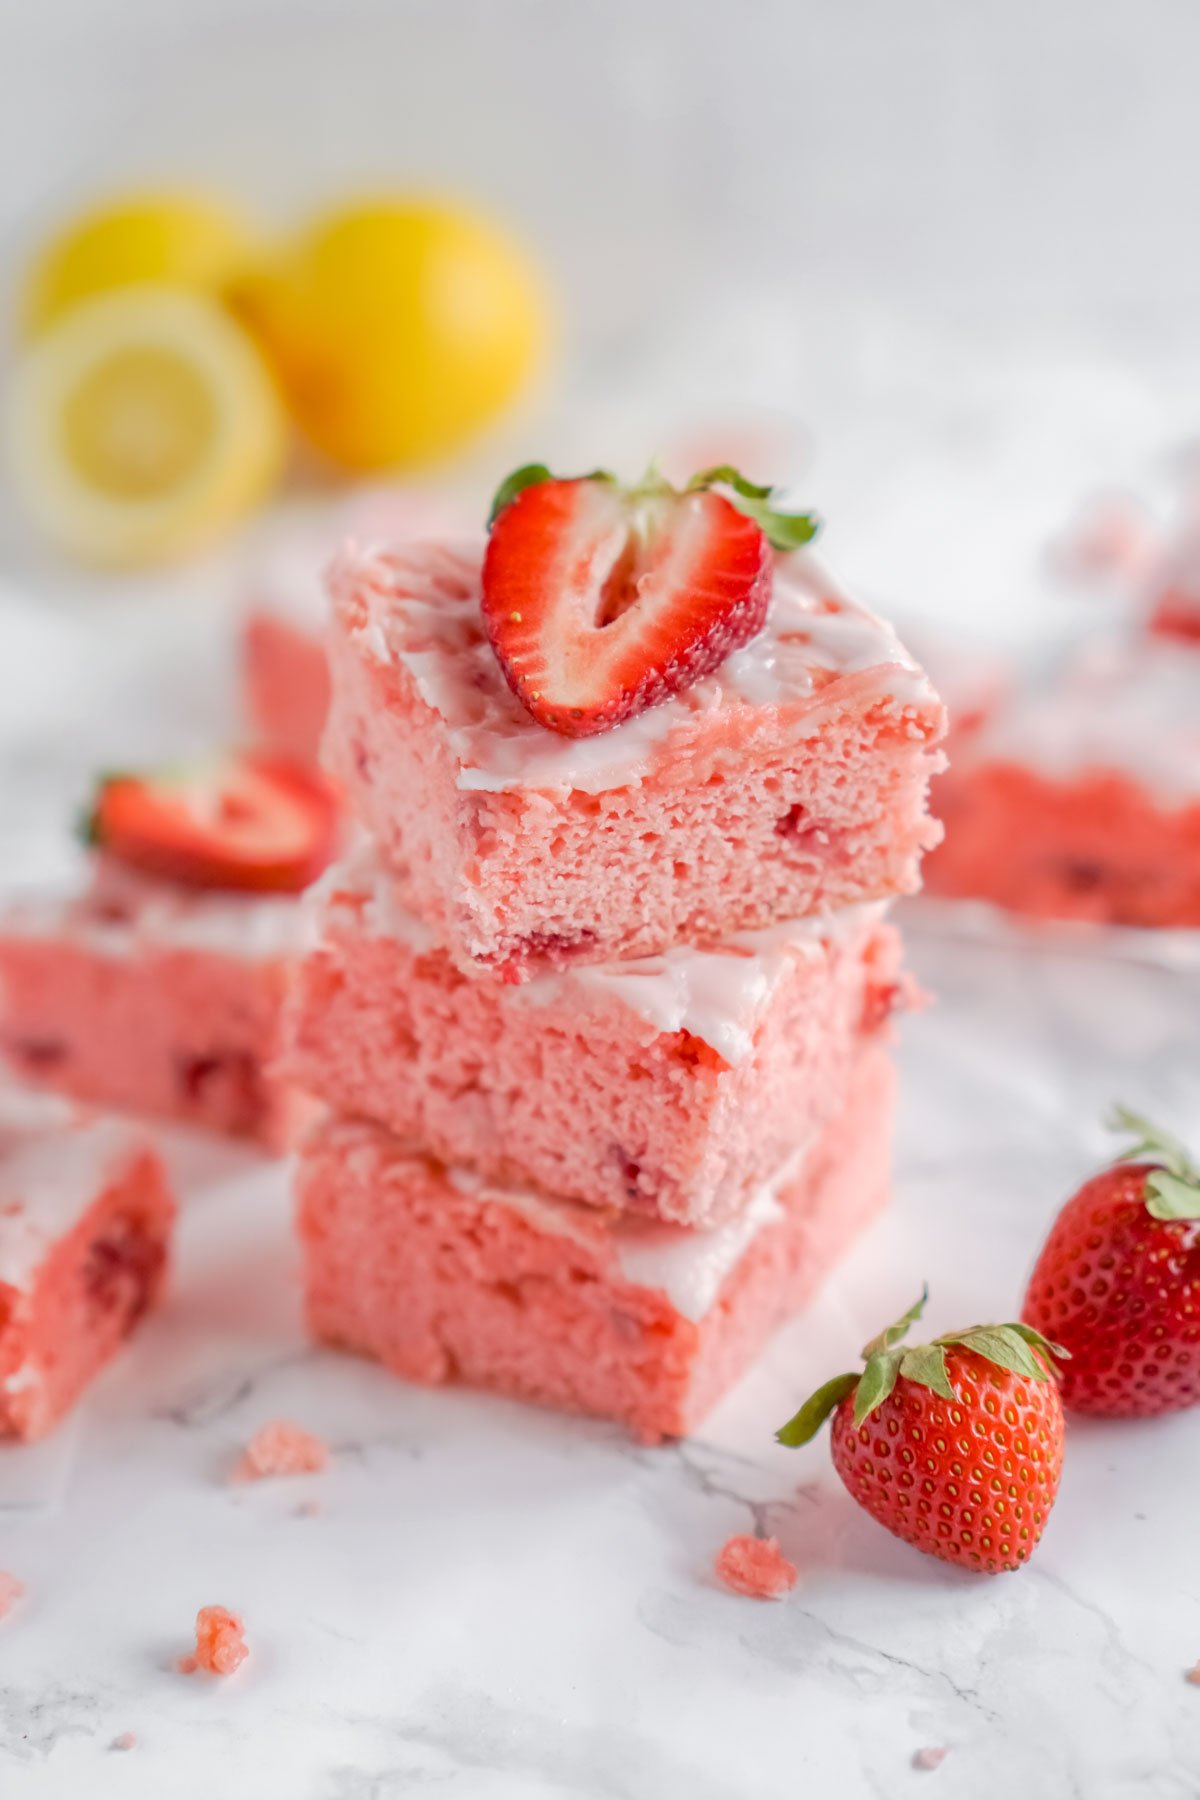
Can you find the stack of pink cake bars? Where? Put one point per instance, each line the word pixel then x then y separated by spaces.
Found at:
pixel 602 1024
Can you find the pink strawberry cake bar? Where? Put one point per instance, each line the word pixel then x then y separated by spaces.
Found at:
pixel 672 1085
pixel 158 985
pixel 85 1223
pixel 284 666
pixel 1080 799
pixel 443 1276
pixel 790 779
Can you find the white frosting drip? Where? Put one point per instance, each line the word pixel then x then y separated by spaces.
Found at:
pixel 54 1162
pixel 690 1267
pixel 159 915
pixel 1128 706
pixel 717 993
pixel 422 609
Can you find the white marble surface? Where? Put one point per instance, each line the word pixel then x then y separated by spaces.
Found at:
pixel 490 1601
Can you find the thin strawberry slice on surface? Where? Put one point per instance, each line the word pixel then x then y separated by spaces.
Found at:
pixel 253 824
pixel 601 601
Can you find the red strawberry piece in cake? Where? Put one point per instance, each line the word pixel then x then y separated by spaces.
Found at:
pixel 442 1276
pixel 955 1446
pixel 280 1448
pixel 1118 1282
pixel 85 1222
pixel 673 1085
pixel 789 779
pixel 1080 798
pixel 220 1643
pixel 755 1567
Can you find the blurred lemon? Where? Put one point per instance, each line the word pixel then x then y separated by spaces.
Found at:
pixel 397 329
pixel 186 240
pixel 143 425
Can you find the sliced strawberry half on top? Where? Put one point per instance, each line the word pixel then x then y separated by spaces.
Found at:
pixel 600 601
pixel 255 824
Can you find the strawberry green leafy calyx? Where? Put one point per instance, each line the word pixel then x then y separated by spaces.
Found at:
pixel 1173 1185
pixel 887 1359
pixel 782 530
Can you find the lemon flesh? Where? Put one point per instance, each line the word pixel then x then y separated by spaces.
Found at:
pixel 143 426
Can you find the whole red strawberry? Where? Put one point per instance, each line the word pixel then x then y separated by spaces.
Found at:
pixel 956 1446
pixel 601 600
pixel 1118 1281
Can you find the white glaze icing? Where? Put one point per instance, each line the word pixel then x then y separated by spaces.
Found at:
pixel 1127 705
pixel 54 1161
pixel 718 993
pixel 422 611
pixel 158 915
pixel 688 1266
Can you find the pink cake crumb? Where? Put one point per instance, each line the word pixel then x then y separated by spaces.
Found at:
pixel 11 1590
pixel 930 1756
pixel 756 1567
pixel 126 1741
pixel 280 1448
pixel 1193 1675
pixel 220 1643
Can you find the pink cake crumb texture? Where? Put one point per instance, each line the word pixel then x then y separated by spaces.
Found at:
pixel 1081 799
pixel 442 1278
pixel 154 999
pixel 85 1222
pixel 11 1590
pixel 672 1086
pixel 125 1740
pixel 791 781
pixel 929 1756
pixel 756 1567
pixel 280 1448
pixel 220 1643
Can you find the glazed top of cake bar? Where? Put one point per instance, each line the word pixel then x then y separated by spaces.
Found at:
pixel 715 992
pixel 1126 705
pixel 55 1159
pixel 419 606
pixel 118 912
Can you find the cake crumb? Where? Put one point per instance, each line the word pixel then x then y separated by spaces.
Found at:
pixel 1193 1674
pixel 220 1643
pixel 126 1741
pixel 280 1448
pixel 756 1567
pixel 930 1756
pixel 11 1590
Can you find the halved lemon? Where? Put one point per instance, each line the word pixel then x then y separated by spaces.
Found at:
pixel 142 426
pixel 186 239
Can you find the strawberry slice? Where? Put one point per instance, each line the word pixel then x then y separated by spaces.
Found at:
pixel 255 824
pixel 601 601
